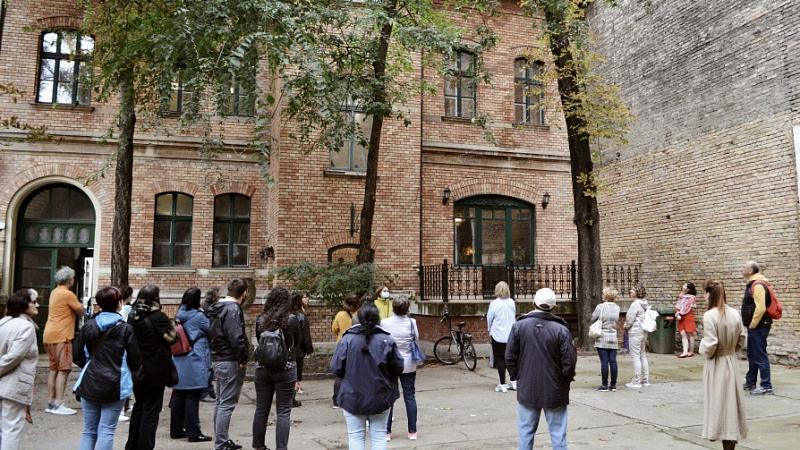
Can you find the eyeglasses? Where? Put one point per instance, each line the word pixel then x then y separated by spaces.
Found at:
pixel 35 302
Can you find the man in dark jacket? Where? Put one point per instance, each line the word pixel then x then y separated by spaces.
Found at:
pixel 229 354
pixel 758 323
pixel 541 357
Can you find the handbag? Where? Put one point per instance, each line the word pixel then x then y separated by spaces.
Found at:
pixel 182 345
pixel 417 356
pixel 596 329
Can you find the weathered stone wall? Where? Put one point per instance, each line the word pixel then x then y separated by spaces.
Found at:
pixel 708 180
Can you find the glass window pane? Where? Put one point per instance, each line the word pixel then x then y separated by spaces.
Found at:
pixel 451 86
pixel 360 155
pixel 241 206
pixel 36 277
pixel 173 100
pixel 468 87
pixel 240 255
pixel 494 242
pixel 47 69
pixel 519 113
pixel 526 213
pixel 241 233
pixel 519 93
pixel 499 213
pixel 221 233
pixel 472 212
pixel 515 214
pixel 60 206
pixel 220 257
pixel 486 213
pixel 39 206
pixel 80 208
pixel 84 83
pixel 344 254
pixel 49 42
pixel 182 256
pixel 164 205
pixel 184 205
pixel 162 231
pixel 521 241
pixel 222 206
pixel 36 258
pixel 183 232
pixel 450 107
pixel 519 68
pixel 161 255
pixel 341 159
pixel 87 45
pixel 466 61
pixel 465 242
pixel 69 42
pixel 467 108
pixel 64 93
pixel 45 92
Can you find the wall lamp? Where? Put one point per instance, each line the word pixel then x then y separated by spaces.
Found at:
pixel 446 195
pixel 267 253
pixel 545 200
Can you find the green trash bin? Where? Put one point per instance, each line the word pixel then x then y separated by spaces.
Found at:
pixel 663 339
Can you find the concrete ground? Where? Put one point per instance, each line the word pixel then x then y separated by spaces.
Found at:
pixel 459 409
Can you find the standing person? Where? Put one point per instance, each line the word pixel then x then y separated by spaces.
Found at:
pixel 758 323
pixel 127 296
pixel 155 332
pixel 277 382
pixel 59 331
pixel 607 343
pixel 684 314
pixel 110 353
pixel 192 370
pixel 637 337
pixel 367 361
pixel 501 316
pixel 723 336
pixel 229 354
pixel 17 365
pixel 341 323
pixel 404 330
pixel 208 394
pixel 303 345
pixel 541 355
pixel 383 301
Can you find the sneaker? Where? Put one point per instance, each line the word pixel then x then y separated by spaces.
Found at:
pixel 745 387
pixel 63 410
pixel 230 445
pixel 412 436
pixel 762 391
pixel 602 388
pixel 388 437
pixel 123 418
pixel 634 385
pixel 208 400
pixel 301 391
pixel 646 384
pixel 613 388
pixel 335 406
pixel 50 407
pixel 501 388
pixel 512 386
pixel 297 404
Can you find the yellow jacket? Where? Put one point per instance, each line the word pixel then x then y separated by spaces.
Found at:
pixel 384 307
pixel 342 322
pixel 759 298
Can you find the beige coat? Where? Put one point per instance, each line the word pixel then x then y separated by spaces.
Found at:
pixel 20 355
pixel 723 408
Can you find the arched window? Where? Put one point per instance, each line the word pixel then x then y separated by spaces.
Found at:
pixel 231 231
pixel 494 230
pixel 345 253
pixel 172 230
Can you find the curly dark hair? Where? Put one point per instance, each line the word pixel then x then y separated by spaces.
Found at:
pixel 276 309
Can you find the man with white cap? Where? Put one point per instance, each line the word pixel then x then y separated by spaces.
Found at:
pixel 541 355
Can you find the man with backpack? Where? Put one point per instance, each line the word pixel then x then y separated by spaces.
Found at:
pixel 229 354
pixel 758 322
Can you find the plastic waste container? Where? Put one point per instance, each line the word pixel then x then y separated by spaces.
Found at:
pixel 663 339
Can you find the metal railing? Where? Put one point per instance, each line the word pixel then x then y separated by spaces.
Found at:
pixel 463 282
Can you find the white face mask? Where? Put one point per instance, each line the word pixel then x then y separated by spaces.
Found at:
pixel 385 294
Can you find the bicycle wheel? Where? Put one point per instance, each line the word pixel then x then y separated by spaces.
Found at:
pixel 446 350
pixel 470 358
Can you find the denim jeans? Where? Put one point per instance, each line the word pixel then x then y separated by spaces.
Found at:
pixel 757 357
pixel 357 426
pixel 407 381
pixel 13 416
pixel 229 378
pixel 281 384
pixel 144 418
pixel 641 369
pixel 528 423
pixel 185 413
pixel 608 358
pixel 99 424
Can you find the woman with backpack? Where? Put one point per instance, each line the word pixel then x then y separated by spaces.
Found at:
pixel 304 346
pixel 637 337
pixel 275 380
pixel 192 369
pixel 367 361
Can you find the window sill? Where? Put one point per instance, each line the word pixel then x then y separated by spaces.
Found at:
pixel 345 173
pixel 172 270
pixel 530 125
pixel 231 271
pixel 457 119
pixel 62 106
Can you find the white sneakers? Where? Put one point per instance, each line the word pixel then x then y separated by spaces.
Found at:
pixel 634 385
pixel 512 386
pixel 501 388
pixel 61 410
pixel 123 417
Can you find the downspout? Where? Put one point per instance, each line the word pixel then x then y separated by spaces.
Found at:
pixel 421 140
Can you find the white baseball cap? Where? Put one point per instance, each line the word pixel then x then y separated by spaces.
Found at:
pixel 545 299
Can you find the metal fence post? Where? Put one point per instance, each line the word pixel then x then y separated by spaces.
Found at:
pixel 574 274
pixel 445 298
pixel 511 277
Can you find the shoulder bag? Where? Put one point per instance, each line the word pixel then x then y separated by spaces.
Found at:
pixel 596 329
pixel 417 357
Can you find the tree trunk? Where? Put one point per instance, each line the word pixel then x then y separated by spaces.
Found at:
pixel 371 184
pixel 123 181
pixel 587 216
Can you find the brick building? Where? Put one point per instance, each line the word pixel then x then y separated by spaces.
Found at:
pixel 186 234
pixel 710 177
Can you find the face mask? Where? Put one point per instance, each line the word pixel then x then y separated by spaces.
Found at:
pixel 384 294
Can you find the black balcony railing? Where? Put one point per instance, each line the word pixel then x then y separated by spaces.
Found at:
pixel 448 281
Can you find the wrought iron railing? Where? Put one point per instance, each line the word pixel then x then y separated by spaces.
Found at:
pixel 449 281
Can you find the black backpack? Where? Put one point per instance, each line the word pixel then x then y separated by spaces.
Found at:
pixel 272 351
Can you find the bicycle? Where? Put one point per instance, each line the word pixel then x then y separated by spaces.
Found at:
pixel 456 345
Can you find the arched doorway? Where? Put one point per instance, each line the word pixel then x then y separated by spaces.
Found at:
pixel 55 227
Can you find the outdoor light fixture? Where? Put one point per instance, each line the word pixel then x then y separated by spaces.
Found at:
pixel 267 253
pixel 545 200
pixel 445 195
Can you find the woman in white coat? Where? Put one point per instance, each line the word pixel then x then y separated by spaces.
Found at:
pixel 17 365
pixel 637 337
pixel 723 336
pixel 501 315
pixel 404 329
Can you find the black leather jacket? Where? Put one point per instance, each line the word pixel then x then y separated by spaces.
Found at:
pixel 226 333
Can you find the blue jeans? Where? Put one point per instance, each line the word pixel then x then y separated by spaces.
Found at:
pixel 528 423
pixel 281 384
pixel 99 424
pixel 407 381
pixel 229 378
pixel 356 430
pixel 757 357
pixel 608 358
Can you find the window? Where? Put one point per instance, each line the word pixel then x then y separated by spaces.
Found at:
pixel 493 231
pixel 346 253
pixel 64 71
pixel 237 102
pixel 528 95
pixel 179 96
pixel 352 154
pixel 172 230
pixel 231 231
pixel 460 86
